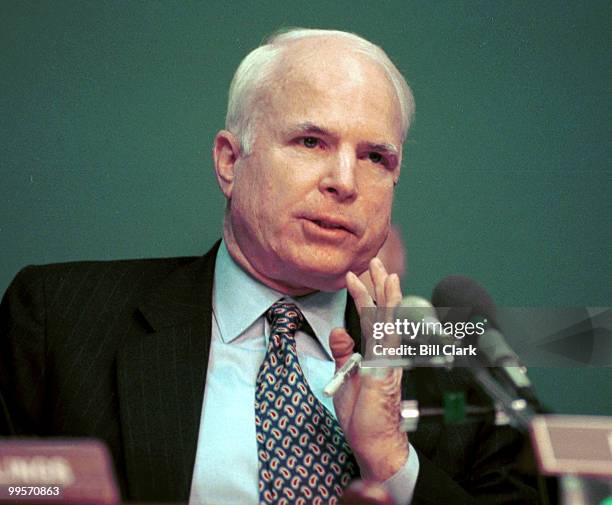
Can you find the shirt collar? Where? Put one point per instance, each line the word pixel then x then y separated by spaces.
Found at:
pixel 239 300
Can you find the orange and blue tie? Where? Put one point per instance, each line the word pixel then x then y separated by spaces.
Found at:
pixel 303 456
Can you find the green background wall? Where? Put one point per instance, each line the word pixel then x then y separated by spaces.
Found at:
pixel 108 110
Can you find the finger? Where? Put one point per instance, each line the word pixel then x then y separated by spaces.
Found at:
pixel 366 278
pixel 341 345
pixel 379 274
pixel 393 290
pixel 393 296
pixel 359 292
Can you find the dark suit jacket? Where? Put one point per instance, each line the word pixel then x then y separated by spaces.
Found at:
pixel 119 351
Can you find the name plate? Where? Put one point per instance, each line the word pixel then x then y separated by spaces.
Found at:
pixel 66 471
pixel 574 445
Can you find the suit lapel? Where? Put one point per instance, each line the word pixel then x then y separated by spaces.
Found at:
pixel 161 378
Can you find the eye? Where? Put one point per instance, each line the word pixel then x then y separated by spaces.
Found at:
pixel 310 142
pixel 377 158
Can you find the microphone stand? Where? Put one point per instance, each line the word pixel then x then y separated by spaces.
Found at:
pixel 508 409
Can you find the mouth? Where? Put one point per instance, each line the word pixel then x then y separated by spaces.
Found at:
pixel 330 224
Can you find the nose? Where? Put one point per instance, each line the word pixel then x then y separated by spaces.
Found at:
pixel 339 179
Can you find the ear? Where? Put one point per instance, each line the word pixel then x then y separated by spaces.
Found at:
pixel 226 152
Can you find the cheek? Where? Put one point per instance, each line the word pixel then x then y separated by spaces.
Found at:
pixel 379 205
pixel 378 215
pixel 245 206
pixel 282 187
pixel 259 204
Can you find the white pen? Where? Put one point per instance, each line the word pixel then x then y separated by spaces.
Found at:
pixel 341 375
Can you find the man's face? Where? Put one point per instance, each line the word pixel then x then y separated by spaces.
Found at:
pixel 313 199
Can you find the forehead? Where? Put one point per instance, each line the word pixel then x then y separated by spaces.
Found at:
pixel 335 88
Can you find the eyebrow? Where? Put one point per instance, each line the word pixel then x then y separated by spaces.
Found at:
pixel 309 127
pixel 389 149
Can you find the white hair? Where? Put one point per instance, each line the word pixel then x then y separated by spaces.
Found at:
pixel 256 72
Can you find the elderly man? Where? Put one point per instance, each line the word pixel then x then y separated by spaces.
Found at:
pixel 205 375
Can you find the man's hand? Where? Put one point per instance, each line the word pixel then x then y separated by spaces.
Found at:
pixel 368 404
pixel 361 492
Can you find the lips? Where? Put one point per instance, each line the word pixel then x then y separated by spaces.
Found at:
pixel 331 223
pixel 329 226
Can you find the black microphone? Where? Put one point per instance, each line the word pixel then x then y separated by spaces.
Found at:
pixel 468 301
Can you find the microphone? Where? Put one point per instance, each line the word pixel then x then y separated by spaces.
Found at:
pixel 416 308
pixel 467 300
pixel 500 354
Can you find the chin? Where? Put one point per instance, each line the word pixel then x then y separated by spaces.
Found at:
pixel 326 275
pixel 319 281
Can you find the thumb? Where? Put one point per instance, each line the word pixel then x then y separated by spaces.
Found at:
pixel 341 345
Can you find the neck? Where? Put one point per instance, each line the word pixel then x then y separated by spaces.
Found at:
pixel 243 262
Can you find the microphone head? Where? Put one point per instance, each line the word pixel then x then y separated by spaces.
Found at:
pixel 465 298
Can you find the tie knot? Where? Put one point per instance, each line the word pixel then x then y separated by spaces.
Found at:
pixel 285 315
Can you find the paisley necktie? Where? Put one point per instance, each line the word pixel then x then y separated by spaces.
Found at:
pixel 303 456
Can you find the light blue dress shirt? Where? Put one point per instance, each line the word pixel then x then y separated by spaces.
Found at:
pixel 226 465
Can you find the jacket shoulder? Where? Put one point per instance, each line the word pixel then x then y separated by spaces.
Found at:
pixel 92 267
pixel 65 285
pixel 84 272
